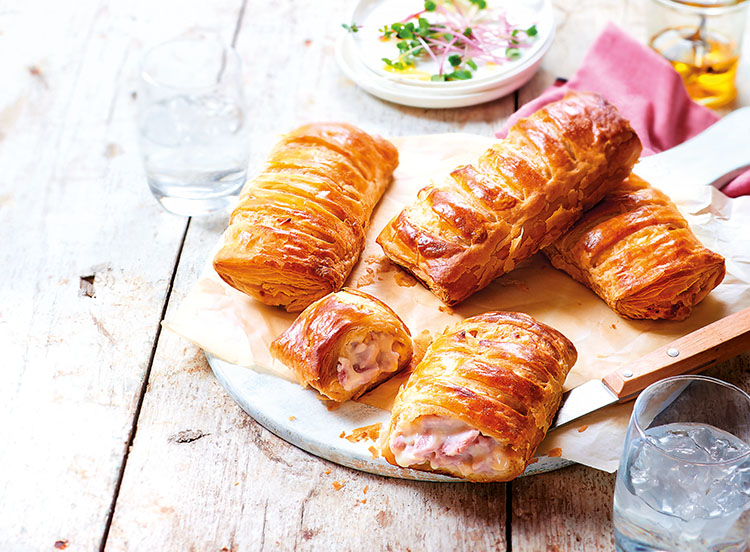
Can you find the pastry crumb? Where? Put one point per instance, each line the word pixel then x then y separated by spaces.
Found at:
pixel 337 486
pixel 446 309
pixel 364 491
pixel 370 432
pixel 421 343
pixel 614 326
pixel 375 452
pixel 292 418
pixel 533 461
pixel 404 280
pixel 343 435
pixel 327 472
pixel 366 279
pixel 363 501
pixel 583 428
pixel 555 452
pixel 383 263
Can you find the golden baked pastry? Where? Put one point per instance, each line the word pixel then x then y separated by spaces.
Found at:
pixel 482 398
pixel 344 344
pixel 299 226
pixel 520 196
pixel 636 251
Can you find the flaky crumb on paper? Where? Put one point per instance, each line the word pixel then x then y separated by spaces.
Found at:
pixel 366 279
pixel 369 433
pixel 422 342
pixel 337 486
pixel 404 279
pixel 555 452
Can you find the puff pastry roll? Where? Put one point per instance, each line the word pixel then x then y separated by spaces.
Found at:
pixel 299 226
pixel 481 399
pixel 344 344
pixel 521 195
pixel 636 251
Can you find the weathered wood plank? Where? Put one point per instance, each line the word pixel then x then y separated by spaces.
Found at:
pixel 569 509
pixel 271 494
pixel 202 475
pixel 87 256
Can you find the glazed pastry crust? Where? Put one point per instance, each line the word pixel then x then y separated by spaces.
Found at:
pixel 501 373
pixel 312 345
pixel 520 196
pixel 299 226
pixel 636 251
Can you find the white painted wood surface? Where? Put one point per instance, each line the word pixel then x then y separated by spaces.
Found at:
pixel 74 204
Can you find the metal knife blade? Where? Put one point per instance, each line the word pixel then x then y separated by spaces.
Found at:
pixel 694 352
pixel 582 400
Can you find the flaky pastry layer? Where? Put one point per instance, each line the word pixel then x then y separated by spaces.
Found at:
pixel 501 373
pixel 636 251
pixel 520 196
pixel 299 226
pixel 318 345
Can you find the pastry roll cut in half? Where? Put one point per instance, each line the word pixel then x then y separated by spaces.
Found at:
pixel 482 398
pixel 636 251
pixel 344 344
pixel 520 196
pixel 299 226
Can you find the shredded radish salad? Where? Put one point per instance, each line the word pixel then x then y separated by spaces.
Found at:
pixel 457 36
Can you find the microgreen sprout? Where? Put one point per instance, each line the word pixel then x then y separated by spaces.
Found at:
pixel 353 28
pixel 458 35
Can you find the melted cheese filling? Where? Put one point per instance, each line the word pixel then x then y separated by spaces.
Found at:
pixel 363 361
pixel 447 444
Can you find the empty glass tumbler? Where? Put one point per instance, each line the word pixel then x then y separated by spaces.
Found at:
pixel 684 477
pixel 193 124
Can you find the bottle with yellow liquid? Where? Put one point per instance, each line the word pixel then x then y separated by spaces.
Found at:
pixel 702 40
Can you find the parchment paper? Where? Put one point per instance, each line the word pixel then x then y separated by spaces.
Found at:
pixel 239 329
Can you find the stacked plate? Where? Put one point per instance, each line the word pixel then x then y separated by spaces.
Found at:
pixel 360 54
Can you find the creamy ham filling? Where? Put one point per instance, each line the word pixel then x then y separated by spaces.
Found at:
pixel 363 361
pixel 447 444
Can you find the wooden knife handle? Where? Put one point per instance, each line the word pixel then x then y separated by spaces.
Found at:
pixel 693 353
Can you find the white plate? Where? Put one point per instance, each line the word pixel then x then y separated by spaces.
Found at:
pixel 372 15
pixel 297 416
pixel 364 70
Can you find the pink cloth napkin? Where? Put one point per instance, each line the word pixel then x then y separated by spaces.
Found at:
pixel 646 90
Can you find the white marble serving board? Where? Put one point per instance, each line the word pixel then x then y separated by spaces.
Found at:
pixel 299 417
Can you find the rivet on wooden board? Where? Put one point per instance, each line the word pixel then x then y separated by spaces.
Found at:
pixel 673 352
pixel 627 374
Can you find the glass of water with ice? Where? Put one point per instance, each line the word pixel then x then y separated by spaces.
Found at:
pixel 684 477
pixel 193 124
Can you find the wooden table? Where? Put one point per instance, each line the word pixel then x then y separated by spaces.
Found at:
pixel 116 435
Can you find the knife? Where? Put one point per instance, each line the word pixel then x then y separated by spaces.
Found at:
pixel 690 354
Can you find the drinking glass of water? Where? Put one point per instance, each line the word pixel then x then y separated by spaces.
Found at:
pixel 193 124
pixel 684 477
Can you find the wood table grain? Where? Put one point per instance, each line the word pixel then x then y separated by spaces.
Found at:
pixel 115 435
